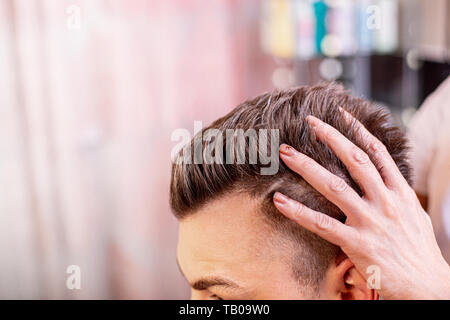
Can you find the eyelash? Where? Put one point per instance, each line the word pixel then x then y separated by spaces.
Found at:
pixel 216 297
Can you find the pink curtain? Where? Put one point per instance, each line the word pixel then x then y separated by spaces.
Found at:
pixel 90 93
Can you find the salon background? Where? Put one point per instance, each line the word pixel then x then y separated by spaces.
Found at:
pixel 91 90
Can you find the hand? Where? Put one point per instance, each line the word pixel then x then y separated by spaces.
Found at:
pixel 387 227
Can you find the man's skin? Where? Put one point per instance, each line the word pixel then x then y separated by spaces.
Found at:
pixel 227 251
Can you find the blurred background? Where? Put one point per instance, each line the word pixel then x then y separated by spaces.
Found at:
pixel 91 90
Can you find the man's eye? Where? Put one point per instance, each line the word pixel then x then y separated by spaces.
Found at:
pixel 216 297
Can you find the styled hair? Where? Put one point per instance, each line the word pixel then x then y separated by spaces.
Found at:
pixel 194 185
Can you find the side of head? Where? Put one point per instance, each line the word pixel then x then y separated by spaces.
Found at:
pixel 230 231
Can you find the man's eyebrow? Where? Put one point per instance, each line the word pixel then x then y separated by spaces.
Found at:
pixel 207 282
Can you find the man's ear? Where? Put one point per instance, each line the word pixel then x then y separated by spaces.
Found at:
pixel 346 283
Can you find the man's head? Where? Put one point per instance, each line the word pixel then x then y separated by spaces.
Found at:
pixel 233 243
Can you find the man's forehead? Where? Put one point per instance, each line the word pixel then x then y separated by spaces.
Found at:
pixel 225 233
pixel 230 238
pixel 230 212
pixel 229 220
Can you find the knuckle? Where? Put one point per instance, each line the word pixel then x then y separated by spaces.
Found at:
pixel 353 239
pixel 323 222
pixel 377 149
pixel 338 185
pixel 298 209
pixel 389 207
pixel 360 157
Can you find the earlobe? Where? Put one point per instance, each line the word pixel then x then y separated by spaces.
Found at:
pixel 351 285
pixel 356 287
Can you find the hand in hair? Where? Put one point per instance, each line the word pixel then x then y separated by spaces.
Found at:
pixel 386 227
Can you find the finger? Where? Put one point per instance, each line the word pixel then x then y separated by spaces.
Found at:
pixel 378 153
pixel 358 163
pixel 330 186
pixel 324 226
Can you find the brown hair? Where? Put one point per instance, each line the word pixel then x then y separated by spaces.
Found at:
pixel 193 185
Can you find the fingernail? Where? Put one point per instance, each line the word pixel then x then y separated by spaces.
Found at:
pixel 280 198
pixel 343 111
pixel 313 121
pixel 348 118
pixel 287 150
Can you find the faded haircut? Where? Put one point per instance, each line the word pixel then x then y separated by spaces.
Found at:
pixel 194 185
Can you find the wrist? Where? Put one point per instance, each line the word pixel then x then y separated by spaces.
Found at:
pixel 444 291
pixel 439 287
pixel 429 285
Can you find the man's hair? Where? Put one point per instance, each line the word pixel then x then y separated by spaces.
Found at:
pixel 194 185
